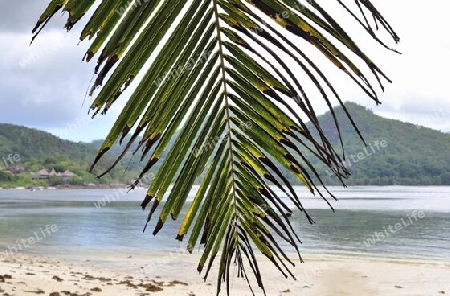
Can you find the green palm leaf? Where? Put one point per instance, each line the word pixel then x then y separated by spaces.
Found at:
pixel 214 82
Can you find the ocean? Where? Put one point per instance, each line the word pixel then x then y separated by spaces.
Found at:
pixel 384 222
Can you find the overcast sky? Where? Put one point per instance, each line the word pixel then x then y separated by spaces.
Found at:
pixel 44 86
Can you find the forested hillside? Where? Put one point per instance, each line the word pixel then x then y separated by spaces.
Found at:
pixel 410 155
pixel 41 150
pixel 397 153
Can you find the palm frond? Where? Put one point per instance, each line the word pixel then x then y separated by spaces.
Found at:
pixel 230 82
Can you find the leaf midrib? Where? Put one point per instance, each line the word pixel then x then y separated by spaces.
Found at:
pixel 227 104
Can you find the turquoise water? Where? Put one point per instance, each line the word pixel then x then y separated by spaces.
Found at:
pixel 360 225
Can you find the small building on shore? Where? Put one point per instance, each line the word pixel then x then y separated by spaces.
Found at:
pixel 16 169
pixel 43 174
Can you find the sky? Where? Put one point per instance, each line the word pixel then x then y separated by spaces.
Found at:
pixel 44 85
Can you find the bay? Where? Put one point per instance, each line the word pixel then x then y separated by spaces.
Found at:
pixel 385 222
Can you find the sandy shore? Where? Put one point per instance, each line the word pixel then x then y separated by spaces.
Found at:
pixel 321 275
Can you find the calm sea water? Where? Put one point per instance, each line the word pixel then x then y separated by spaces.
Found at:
pixel 394 221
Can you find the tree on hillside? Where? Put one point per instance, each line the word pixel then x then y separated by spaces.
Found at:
pixel 237 79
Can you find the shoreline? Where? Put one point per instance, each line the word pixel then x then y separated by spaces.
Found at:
pixel 25 274
pixel 70 187
pixel 124 186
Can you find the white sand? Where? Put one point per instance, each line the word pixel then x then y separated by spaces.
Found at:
pixel 321 275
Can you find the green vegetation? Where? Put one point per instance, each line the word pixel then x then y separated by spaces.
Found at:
pixel 210 70
pixel 414 155
pixel 41 150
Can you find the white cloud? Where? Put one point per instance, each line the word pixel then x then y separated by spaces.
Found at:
pixel 44 85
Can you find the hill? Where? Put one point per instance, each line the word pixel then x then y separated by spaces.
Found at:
pixel 37 150
pixel 411 154
pixel 397 153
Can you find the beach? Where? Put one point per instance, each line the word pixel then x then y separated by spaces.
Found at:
pixel 24 274
pixel 380 241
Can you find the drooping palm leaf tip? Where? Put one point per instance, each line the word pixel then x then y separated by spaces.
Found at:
pixel 232 81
